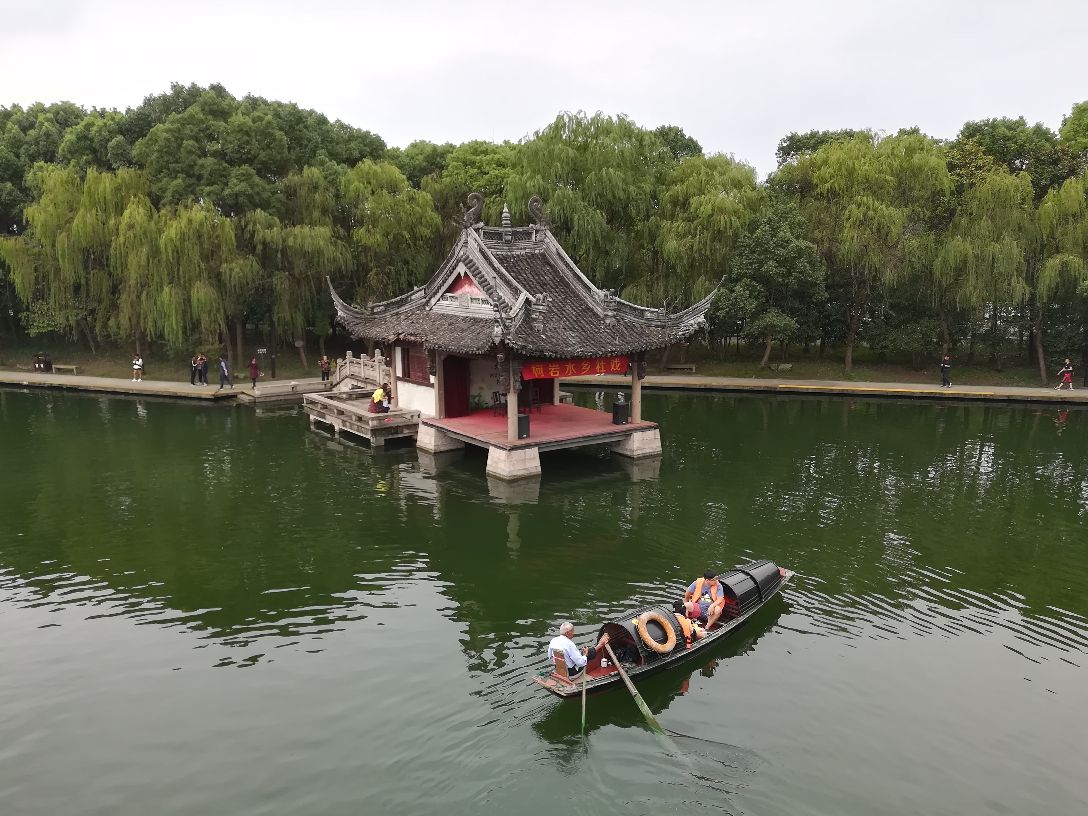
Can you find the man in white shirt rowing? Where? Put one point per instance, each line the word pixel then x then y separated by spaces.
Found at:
pixel 575 660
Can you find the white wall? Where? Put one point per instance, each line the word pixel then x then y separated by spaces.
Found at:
pixel 416 397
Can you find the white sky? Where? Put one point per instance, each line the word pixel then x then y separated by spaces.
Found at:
pixel 735 75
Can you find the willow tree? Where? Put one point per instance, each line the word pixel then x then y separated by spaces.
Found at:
pixel 135 256
pixel 293 262
pixel 866 202
pixel 705 209
pixel 1063 269
pixel 600 178
pixel 61 265
pixel 198 251
pixel 392 227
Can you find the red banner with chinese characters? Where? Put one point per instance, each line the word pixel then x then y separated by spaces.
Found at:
pixel 549 369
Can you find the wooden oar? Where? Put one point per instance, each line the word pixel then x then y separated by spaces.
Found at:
pixel 585 672
pixel 645 709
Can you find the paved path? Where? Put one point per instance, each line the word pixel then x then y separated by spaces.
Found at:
pixel 685 382
pixel 116 385
pixel 266 391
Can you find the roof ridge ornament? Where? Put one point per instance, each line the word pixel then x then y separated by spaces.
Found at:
pixel 507 232
pixel 608 307
pixel 472 216
pixel 538 309
pixel 536 212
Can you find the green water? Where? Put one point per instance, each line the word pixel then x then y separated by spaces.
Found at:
pixel 208 610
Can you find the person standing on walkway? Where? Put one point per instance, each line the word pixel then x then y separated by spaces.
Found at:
pixel 137 367
pixel 946 370
pixel 202 368
pixel 224 372
pixel 1066 375
pixel 326 367
pixel 194 370
pixel 254 371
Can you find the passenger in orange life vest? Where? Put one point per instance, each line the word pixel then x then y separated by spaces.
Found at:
pixel 687 615
pixel 707 592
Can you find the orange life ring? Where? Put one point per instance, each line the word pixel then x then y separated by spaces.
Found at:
pixel 647 638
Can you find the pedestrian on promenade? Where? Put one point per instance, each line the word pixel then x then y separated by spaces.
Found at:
pixel 946 370
pixel 1066 375
pixel 254 371
pixel 326 367
pixel 137 367
pixel 194 370
pixel 224 373
pixel 202 368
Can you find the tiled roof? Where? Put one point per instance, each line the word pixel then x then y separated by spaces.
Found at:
pixel 541 305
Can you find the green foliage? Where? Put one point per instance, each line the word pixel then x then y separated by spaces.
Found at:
pixel 1074 130
pixel 678 143
pixel 795 145
pixel 599 177
pixel 393 228
pixel 419 160
pixel 705 207
pixel 776 284
pixel 196 210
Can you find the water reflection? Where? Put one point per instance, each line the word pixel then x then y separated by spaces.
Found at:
pixel 940 550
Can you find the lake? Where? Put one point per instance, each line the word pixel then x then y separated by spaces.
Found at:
pixel 213 610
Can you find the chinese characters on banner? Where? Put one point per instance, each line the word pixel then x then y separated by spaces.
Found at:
pixel 549 369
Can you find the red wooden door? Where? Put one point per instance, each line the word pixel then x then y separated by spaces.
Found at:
pixel 455 386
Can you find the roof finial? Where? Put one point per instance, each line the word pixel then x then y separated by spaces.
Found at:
pixel 475 211
pixel 536 212
pixel 507 232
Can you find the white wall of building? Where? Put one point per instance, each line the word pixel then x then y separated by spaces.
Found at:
pixel 416 397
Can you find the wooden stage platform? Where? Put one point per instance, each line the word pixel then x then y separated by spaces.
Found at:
pixel 550 428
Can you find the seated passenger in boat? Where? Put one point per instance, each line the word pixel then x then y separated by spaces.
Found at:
pixel 707 592
pixel 688 615
pixel 575 660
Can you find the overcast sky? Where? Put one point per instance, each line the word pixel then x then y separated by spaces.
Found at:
pixel 735 75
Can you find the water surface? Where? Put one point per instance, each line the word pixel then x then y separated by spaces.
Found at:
pixel 207 609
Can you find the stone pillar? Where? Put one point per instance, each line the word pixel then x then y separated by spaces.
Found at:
pixel 636 393
pixel 511 409
pixel 519 463
pixel 433 440
pixel 555 392
pixel 639 445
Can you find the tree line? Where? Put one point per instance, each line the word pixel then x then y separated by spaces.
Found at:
pixel 197 216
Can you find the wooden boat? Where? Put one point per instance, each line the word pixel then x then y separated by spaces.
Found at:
pixel 746 588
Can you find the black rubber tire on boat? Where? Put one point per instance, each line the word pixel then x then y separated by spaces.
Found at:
pixel 648 639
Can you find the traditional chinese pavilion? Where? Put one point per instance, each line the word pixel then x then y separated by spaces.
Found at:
pixel 479 350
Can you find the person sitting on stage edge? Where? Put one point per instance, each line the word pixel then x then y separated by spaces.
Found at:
pixel 379 404
pixel 707 592
pixel 576 661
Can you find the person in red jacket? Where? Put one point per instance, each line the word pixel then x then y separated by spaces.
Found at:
pixel 254 371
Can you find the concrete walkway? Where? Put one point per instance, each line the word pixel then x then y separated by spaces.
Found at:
pixel 685 382
pixel 116 385
pixel 266 391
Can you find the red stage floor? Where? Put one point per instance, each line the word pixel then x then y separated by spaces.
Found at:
pixel 553 426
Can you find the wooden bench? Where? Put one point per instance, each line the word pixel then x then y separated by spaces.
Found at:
pixel 681 367
pixel 780 367
pixel 59 368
